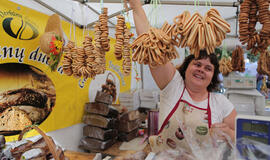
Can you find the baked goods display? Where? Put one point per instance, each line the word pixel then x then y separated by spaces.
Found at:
pixel 101 122
pixel 251 12
pixel 225 66
pixel 238 63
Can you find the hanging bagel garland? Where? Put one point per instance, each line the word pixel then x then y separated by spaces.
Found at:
pixel 238 63
pixel 263 66
pixel 88 60
pixel 257 41
pixel 119 36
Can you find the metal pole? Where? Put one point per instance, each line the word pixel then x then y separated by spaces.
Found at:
pixel 110 16
pixel 201 3
pixel 57 12
pixel 98 13
pixel 141 68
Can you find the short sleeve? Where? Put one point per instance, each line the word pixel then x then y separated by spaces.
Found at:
pixel 221 107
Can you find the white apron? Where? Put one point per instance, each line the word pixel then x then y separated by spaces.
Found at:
pixel 170 135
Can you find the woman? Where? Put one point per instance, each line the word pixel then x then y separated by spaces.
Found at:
pixel 187 97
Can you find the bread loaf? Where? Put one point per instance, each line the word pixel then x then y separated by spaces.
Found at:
pixel 130 116
pixel 99 133
pixel 101 109
pixel 123 136
pixel 13 119
pixel 128 126
pixel 99 121
pixel 24 145
pixel 95 144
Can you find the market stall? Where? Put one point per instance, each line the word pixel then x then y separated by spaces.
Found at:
pixel 77 72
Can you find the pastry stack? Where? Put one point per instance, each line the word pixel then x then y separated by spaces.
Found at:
pixel 129 123
pixel 101 119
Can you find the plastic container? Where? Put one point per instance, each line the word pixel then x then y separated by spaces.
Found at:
pixel 234 80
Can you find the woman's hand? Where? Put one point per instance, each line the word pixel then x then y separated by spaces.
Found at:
pixel 134 4
pixel 221 130
pixel 139 17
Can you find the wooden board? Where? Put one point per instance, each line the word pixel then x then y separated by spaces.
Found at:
pixel 114 151
pixel 79 155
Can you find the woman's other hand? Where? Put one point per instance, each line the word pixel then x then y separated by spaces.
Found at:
pixel 221 130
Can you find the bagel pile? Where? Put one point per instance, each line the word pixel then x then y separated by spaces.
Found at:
pixel 251 12
pixel 238 63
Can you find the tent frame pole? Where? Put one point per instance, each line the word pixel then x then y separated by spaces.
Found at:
pixel 59 13
pixel 201 3
pixel 95 11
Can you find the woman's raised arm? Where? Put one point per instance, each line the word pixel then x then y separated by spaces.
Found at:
pixel 162 74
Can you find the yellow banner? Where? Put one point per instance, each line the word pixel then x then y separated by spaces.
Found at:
pixel 52 99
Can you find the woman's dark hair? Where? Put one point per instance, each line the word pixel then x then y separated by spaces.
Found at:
pixel 213 60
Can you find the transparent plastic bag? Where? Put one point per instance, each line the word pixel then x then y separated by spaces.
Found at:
pixel 211 149
pixel 179 154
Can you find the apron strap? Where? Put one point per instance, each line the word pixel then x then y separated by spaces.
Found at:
pixel 171 113
pixel 209 112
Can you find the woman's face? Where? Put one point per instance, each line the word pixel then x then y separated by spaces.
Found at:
pixel 199 73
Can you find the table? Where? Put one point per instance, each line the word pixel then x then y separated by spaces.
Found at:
pixel 113 150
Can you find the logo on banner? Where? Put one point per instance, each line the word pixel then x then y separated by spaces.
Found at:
pixel 17 27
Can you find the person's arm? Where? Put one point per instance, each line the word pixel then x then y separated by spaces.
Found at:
pixel 162 74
